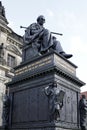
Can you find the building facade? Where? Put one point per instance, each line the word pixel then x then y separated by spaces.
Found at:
pixel 10 54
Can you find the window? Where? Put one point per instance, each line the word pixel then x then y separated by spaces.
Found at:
pixel 11 61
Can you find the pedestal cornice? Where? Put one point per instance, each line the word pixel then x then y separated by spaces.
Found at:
pixel 51 62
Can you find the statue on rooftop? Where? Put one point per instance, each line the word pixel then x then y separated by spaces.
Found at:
pixel 2 10
pixel 42 38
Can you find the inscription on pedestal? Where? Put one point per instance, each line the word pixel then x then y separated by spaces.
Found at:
pixel 34 65
pixel 65 65
pixel 52 59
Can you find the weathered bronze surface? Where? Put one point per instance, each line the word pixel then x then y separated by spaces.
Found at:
pixel 41 39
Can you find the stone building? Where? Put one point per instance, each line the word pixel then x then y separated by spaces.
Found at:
pixel 10 54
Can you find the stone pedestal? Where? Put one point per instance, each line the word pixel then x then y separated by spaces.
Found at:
pixel 29 104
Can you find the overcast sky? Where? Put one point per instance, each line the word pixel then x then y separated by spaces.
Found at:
pixel 63 16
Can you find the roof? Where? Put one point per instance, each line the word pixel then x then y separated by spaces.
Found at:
pixel 84 93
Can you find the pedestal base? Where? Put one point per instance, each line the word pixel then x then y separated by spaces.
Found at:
pixel 30 108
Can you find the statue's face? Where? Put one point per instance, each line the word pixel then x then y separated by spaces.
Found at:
pixel 41 20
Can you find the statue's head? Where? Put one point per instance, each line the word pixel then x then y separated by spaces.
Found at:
pixel 53 84
pixel 41 19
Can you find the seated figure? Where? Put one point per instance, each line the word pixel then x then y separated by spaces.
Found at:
pixel 42 38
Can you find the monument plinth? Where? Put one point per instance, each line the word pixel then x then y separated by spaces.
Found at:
pixel 33 103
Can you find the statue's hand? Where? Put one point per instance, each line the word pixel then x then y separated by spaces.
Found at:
pixel 38 34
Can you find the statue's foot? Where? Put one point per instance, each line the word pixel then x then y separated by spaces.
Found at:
pixel 67 56
pixel 44 52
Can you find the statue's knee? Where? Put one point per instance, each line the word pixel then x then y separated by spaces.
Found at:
pixel 46 32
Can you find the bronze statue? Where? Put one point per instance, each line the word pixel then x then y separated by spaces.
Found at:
pixel 2 10
pixel 42 38
pixel 83 112
pixel 55 100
